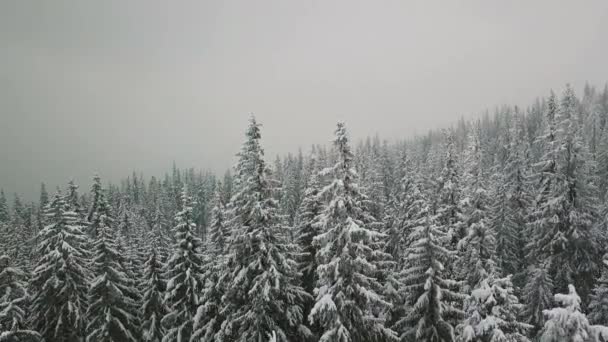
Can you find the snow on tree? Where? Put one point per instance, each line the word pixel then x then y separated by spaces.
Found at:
pixel 575 251
pixel 130 236
pixel 184 272
pixel 348 294
pixel 14 299
pixel 566 323
pixel 219 231
pixel 19 210
pixel 602 164
pixel 99 206
pixel 477 248
pixel 541 226
pixel 208 319
pixel 308 228
pixel 59 283
pixel 538 296
pixel 448 194
pixel 509 212
pixel 153 308
pixel 161 240
pixel 432 300
pixel 598 305
pixel 405 211
pixel 493 312
pixel 561 230
pixel 5 215
pixel 112 313
pixel 262 292
pixel 293 187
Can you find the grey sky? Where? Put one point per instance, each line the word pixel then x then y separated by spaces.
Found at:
pixel 112 86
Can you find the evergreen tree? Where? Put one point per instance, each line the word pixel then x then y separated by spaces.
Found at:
pixel 510 209
pixel 99 206
pixel 566 323
pixel 153 307
pixel 478 247
pixel 161 233
pixel 293 187
pixel 184 273
pixel 602 164
pixel 538 297
pixel 5 216
pixel 448 195
pixel 59 283
pixel 19 211
pixel 13 304
pixel 545 175
pixel 598 306
pixel 219 232
pixel 575 250
pixel 348 294
pixel 307 228
pixel 44 196
pixel 112 313
pixel 432 299
pixel 493 313
pixel 208 319
pixel 262 294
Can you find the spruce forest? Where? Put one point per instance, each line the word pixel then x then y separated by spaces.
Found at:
pixel 493 229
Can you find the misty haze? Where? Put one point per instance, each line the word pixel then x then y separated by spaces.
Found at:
pixel 302 171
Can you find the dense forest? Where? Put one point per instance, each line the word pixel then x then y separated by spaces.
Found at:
pixel 493 229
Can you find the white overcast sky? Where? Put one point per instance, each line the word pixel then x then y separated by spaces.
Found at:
pixel 113 86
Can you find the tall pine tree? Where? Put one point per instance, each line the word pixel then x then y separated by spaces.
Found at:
pixel 59 284
pixel 348 293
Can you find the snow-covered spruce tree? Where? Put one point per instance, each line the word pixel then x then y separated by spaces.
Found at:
pixel 448 195
pixel 112 313
pixel 493 312
pixel 153 308
pixel 293 187
pixel 477 248
pixel 598 305
pixel 432 300
pixel 99 207
pixel 59 283
pixel 405 211
pixel 541 227
pixel 184 273
pixel 602 165
pixel 348 294
pixel 562 223
pixel 5 215
pixel 309 227
pixel 537 296
pixel 566 323
pixel 13 304
pixel 162 239
pixel 129 237
pixel 208 319
pixel 262 292
pixel 509 212
pixel 575 247
pixel 219 230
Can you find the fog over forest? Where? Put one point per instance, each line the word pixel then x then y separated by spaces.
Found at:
pixel 114 86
